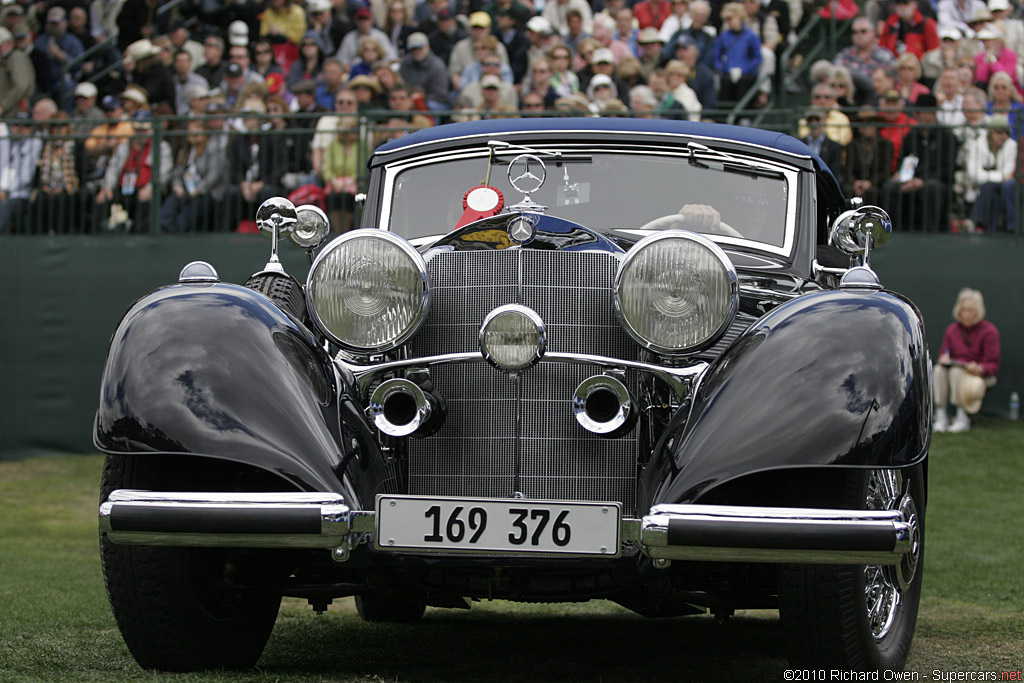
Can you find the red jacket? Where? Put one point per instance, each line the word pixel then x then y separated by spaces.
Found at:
pixel 652 13
pixel 920 36
pixel 979 344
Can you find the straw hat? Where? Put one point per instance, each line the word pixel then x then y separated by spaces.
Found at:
pixel 140 49
pixel 364 81
pixel 136 94
pixel 972 391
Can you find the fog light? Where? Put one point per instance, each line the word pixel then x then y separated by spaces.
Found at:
pixel 513 338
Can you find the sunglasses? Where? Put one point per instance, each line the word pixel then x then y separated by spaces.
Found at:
pixel 862 30
pixel 537 105
pixel 347 102
pixel 492 63
pixel 264 52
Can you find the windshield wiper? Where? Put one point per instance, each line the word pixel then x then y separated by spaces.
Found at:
pixel 730 162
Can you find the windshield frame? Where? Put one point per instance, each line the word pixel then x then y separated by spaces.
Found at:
pixel 789 173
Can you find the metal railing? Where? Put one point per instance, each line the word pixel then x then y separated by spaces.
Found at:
pixel 65 196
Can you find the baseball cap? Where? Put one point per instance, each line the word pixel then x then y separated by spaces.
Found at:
pixel 196 92
pixel 363 13
pixel 238 33
pixel 480 20
pixel 539 25
pixel 304 86
pixel 815 113
pixel 947 32
pixel 416 40
pixel 86 90
pixel 649 35
pixel 685 40
pixel 136 94
pixel 989 32
pixel 110 103
pixel 319 5
pixel 234 70
pixel 997 5
pixel 490 81
pixel 602 55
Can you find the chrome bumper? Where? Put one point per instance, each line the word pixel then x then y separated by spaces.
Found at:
pixel 715 533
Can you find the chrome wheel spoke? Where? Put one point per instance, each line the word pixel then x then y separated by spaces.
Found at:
pixel 881 592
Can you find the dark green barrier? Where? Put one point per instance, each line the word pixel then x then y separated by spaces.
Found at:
pixel 63 297
pixel 932 269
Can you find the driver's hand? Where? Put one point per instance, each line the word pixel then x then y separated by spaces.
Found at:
pixel 700 217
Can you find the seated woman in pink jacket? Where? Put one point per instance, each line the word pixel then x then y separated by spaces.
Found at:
pixel 994 58
pixel 968 362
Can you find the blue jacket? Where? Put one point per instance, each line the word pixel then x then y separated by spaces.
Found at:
pixel 742 49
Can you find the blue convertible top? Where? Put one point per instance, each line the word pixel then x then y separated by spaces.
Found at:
pixel 755 136
pixel 498 127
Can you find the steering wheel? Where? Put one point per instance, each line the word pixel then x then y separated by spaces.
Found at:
pixel 674 220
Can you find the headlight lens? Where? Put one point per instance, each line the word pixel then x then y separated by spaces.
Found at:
pixel 369 290
pixel 676 292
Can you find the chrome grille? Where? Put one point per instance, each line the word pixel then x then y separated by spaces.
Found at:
pixel 503 436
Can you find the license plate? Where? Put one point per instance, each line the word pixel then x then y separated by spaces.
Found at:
pixel 470 525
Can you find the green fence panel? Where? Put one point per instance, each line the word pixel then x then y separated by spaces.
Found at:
pixel 64 295
pixel 932 269
pixel 62 298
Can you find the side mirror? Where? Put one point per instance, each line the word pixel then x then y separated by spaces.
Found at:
pixel 275 216
pixel 859 231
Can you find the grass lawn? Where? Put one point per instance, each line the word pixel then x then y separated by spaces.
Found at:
pixel 55 624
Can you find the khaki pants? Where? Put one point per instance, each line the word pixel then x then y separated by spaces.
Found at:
pixel 947 380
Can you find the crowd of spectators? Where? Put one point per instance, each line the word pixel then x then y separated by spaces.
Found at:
pixel 926 101
pixel 921 113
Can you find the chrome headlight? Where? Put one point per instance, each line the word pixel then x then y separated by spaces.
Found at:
pixel 368 290
pixel 513 337
pixel 676 292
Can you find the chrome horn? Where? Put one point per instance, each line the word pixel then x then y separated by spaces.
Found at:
pixel 602 405
pixel 400 407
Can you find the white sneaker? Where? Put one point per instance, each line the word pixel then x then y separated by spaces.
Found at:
pixel 941 423
pixel 961 423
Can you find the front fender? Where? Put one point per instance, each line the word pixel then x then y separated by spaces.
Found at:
pixel 838 378
pixel 219 370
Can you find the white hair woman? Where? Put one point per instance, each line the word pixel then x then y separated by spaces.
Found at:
pixel 968 362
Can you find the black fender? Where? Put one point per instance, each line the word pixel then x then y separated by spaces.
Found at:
pixel 219 370
pixel 838 378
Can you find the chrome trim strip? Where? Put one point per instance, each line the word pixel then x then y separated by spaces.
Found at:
pixel 178 518
pixel 679 379
pixel 650 135
pixel 822 533
pixel 392 169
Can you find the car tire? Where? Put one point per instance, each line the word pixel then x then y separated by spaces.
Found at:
pixel 390 607
pixel 283 290
pixel 169 603
pixel 824 609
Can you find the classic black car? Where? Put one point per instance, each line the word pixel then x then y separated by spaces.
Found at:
pixel 565 359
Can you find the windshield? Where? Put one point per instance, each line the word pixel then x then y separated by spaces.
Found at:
pixel 607 190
